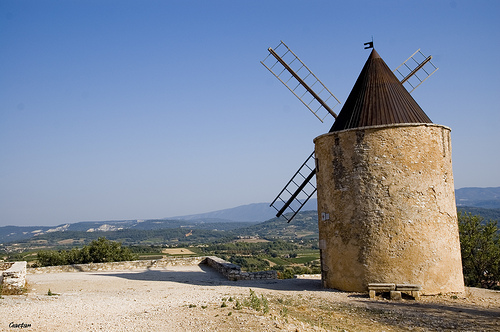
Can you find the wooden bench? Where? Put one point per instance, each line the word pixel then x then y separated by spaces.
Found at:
pixel 394 290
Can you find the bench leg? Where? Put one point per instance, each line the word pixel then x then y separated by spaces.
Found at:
pixel 396 295
pixel 372 294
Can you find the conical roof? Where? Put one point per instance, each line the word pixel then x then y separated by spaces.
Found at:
pixel 378 98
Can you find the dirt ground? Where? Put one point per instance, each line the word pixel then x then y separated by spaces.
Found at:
pixel 178 251
pixel 196 298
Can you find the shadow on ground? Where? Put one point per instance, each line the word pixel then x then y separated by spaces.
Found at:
pixel 435 316
pixel 205 276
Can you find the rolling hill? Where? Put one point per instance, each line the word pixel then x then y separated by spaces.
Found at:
pixel 488 198
pixel 241 219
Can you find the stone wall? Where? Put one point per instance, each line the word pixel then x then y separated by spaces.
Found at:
pixel 386 208
pixel 5 265
pixel 115 266
pixel 13 277
pixel 233 271
pixel 228 270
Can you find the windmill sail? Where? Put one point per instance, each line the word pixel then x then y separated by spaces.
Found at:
pixel 302 186
pixel 298 190
pixel 415 70
pixel 295 75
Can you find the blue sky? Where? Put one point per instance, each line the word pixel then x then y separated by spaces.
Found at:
pixel 151 109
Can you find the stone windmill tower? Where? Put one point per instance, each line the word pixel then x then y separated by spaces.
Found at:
pixel 386 203
pixel 385 180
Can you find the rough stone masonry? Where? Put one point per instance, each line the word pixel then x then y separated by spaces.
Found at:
pixel 13 277
pixel 386 208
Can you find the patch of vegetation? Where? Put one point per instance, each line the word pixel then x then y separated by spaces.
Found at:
pixel 144 249
pixel 250 264
pixel 253 301
pixel 262 256
pixel 28 256
pixel 129 237
pixel 486 214
pixel 480 249
pixel 50 293
pixel 99 251
pixel 303 227
pixel 287 272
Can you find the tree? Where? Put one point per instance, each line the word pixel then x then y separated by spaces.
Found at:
pixel 51 258
pixel 98 251
pixel 480 249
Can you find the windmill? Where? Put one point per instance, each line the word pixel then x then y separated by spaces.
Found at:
pixel 286 66
pixel 384 179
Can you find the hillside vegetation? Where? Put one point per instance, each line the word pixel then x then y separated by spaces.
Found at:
pixel 99 251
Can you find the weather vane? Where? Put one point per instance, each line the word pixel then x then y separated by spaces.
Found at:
pixel 369 44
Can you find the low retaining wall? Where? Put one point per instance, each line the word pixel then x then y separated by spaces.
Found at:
pixel 112 266
pixel 233 272
pixel 13 277
pixel 5 265
pixel 228 270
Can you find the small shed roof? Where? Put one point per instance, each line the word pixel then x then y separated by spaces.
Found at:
pixel 378 98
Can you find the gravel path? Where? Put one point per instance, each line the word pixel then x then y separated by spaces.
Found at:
pixel 190 298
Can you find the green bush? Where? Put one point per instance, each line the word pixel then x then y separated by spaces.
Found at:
pixel 287 272
pixel 250 264
pixel 480 249
pixel 254 302
pixel 98 251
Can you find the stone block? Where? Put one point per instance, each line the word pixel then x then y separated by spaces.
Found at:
pixel 13 279
pixel 396 295
pixel 382 287
pixel 408 287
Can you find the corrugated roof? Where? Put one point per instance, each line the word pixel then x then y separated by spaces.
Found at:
pixel 378 98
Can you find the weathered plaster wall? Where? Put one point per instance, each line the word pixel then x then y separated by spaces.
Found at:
pixel 386 195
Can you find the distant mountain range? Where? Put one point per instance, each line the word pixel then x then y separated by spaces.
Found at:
pixel 250 212
pixel 483 201
pixel 488 198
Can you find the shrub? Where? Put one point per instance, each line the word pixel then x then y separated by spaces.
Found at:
pixel 98 251
pixel 480 249
pixel 250 264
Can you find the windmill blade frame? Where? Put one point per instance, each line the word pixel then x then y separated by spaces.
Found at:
pixel 300 183
pixel 288 198
pixel 413 71
pixel 300 81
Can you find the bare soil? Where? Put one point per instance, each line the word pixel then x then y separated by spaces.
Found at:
pixel 178 251
pixel 196 298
